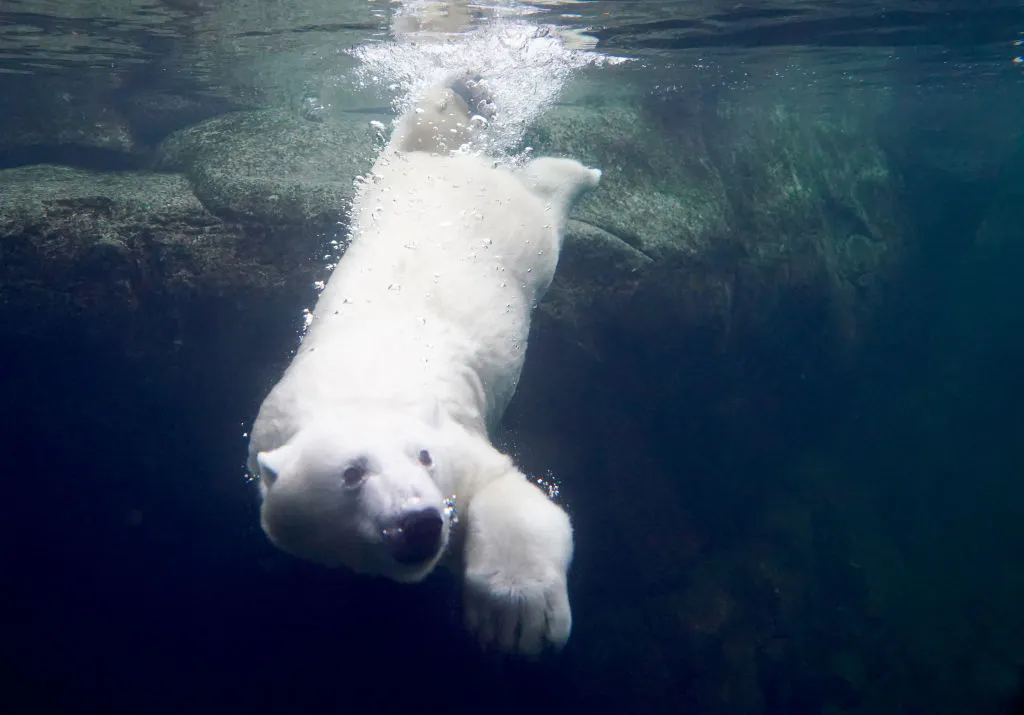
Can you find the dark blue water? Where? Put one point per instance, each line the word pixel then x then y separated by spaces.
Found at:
pixel 773 527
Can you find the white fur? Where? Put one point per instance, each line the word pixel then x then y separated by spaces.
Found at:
pixel 417 343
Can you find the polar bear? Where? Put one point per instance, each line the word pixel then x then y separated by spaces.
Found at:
pixel 373 450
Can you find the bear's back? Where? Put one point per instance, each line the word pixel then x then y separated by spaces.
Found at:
pixel 433 297
pixel 456 226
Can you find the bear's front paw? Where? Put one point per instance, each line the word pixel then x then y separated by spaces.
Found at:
pixel 519 612
pixel 516 556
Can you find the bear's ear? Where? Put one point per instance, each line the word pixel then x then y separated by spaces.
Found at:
pixel 271 463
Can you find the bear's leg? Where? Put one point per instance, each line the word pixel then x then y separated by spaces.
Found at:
pixel 444 118
pixel 516 558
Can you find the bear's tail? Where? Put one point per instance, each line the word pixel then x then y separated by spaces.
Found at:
pixel 446 118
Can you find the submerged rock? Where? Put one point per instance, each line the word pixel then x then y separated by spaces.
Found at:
pixel 47 119
pixel 272 167
pixel 760 235
pixel 130 256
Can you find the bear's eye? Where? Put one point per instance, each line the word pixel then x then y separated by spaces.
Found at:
pixel 353 476
pixel 425 458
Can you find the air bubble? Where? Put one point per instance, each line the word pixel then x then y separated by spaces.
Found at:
pixel 549 483
pixel 451 511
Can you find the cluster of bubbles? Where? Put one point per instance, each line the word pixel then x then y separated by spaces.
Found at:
pixel 523 65
pixel 550 484
pixel 247 476
pixel 451 512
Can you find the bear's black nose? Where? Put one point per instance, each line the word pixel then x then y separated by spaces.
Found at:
pixel 417 537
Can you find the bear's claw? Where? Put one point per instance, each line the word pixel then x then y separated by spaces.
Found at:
pixel 517 616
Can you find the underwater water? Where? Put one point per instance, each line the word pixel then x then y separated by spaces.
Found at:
pixel 777 381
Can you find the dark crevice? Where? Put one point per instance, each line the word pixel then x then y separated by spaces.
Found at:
pixel 72 155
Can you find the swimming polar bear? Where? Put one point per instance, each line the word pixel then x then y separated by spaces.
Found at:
pixel 373 450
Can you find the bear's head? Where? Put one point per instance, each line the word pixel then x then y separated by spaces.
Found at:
pixel 361 492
